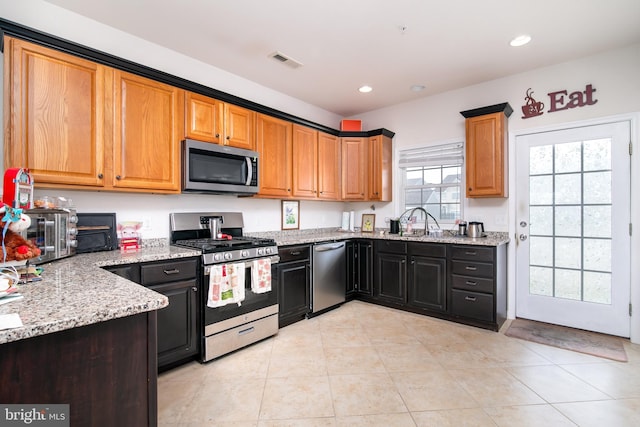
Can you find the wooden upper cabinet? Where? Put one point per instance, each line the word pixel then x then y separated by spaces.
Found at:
pixel 486 151
pixel 305 162
pixel 274 144
pixel 354 168
pixel 328 166
pixel 204 118
pixel 54 110
pixel 239 124
pixel 210 120
pixel 148 120
pixel 380 168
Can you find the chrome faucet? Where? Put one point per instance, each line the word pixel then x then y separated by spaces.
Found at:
pixel 426 217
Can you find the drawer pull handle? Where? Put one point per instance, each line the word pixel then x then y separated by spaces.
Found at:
pixel 246 331
pixel 174 271
pixel 295 253
pixel 470 298
pixel 470 268
pixel 474 253
pixel 470 283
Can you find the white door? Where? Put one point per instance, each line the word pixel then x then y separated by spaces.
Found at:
pixel 572 231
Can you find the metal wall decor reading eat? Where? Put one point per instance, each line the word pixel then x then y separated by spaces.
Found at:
pixel 558 101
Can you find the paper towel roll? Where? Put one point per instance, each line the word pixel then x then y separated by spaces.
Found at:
pixel 352 221
pixel 345 221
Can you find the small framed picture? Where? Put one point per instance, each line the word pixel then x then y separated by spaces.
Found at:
pixel 290 214
pixel 368 223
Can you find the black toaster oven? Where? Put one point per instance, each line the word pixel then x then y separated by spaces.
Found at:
pixel 96 232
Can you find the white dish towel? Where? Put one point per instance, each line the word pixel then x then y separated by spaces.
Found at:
pixel 226 284
pixel 261 275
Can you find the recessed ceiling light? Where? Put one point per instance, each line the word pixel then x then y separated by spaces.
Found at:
pixel 365 89
pixel 417 88
pixel 520 40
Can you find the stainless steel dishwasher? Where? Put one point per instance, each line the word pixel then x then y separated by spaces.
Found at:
pixel 328 284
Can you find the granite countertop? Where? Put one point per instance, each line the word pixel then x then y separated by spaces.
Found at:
pixel 297 237
pixel 76 291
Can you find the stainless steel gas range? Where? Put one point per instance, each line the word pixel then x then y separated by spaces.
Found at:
pixel 249 314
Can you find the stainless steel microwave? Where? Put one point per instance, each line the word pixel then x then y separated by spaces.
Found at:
pixel 213 168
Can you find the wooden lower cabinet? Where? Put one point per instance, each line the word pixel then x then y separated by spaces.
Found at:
pixel 292 277
pixel 106 372
pixel 478 284
pixel 466 284
pixel 359 268
pixel 390 277
pixel 177 331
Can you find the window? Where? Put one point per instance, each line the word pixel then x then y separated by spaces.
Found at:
pixel 432 177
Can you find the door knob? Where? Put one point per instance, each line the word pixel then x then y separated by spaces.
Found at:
pixel 523 237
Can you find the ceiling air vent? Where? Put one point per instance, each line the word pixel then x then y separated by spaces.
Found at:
pixel 281 57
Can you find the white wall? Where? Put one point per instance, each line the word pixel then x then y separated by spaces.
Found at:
pixel 437 118
pixel 614 74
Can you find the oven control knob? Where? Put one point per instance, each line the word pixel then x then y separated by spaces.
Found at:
pixel 244 254
pixel 260 251
pixel 217 257
pixel 268 250
pixel 228 256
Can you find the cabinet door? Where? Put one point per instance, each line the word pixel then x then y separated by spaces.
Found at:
pixel 427 283
pixel 177 323
pixel 294 280
pixel 55 115
pixel 380 168
pixel 147 132
pixel 486 146
pixel 365 268
pixel 204 117
pixel 305 162
pixel 390 277
pixel 352 268
pixel 275 146
pixel 328 167
pixel 354 168
pixel 239 124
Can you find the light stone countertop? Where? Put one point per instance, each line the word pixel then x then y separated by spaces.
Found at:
pixel 298 237
pixel 76 291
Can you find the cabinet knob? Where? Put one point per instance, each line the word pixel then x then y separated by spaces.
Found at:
pixel 470 189
pixel 217 135
pixel 100 176
pixel 228 137
pixel 194 289
pixel 118 177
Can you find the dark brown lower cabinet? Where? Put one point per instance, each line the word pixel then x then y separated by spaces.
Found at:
pixel 463 283
pixel 390 276
pixel 359 268
pixel 106 372
pixel 427 283
pixel 292 277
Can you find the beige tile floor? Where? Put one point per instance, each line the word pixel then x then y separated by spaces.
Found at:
pixel 366 365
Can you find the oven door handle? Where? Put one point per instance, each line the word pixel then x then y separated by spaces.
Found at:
pixel 248 264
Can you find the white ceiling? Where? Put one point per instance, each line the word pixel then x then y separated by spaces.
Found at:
pixel 343 44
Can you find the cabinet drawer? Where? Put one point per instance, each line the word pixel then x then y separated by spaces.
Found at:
pixel 465 268
pixel 391 246
pixel 428 249
pixel 168 271
pixel 474 284
pixel 472 253
pixel 472 304
pixel 294 253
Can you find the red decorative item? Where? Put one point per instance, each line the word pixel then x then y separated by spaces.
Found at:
pixel 18 188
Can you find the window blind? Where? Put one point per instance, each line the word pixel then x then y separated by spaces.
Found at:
pixel 437 155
